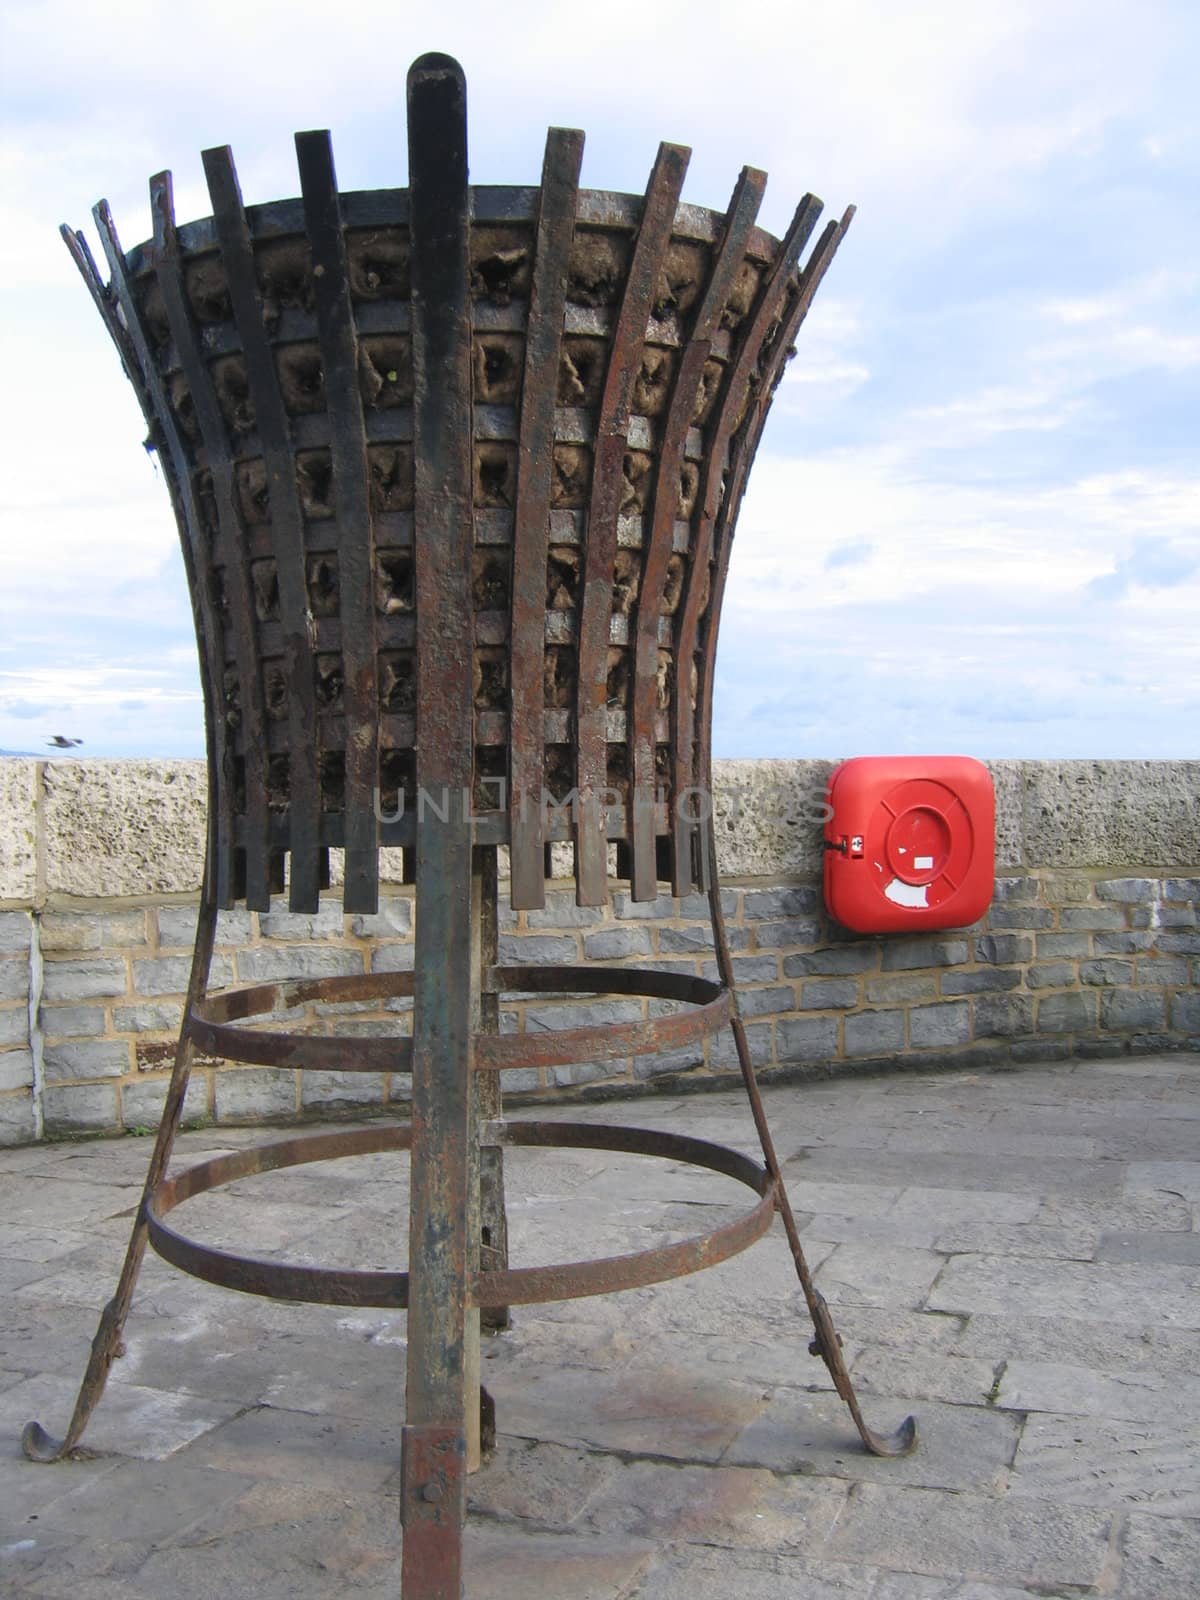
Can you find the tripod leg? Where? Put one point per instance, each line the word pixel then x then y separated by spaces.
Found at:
pixel 827 1344
pixel 107 1345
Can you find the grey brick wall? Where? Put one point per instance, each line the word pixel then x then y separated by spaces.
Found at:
pixel 1063 964
pixel 1090 947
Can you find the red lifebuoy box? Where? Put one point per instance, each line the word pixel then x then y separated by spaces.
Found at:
pixel 910 842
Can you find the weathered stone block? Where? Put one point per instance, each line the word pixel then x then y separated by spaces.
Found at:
pixel 17 1123
pixel 392 957
pixel 18 828
pixel 1179 944
pixel 990 980
pixel 272 963
pixel 341 1088
pixel 769 1001
pixel 1100 974
pixel 394 919
pixel 771 904
pixel 747 969
pixel 696 939
pixel 1003 1016
pixel 1051 946
pixel 787 934
pixel 1066 1013
pixel 1181 889
pixel 842 958
pixel 1122 944
pixel 1095 919
pixel 16 1070
pixel 626 907
pixel 91 1058
pixel 1173 917
pixel 142 1100
pixel 14 978
pixel 696 905
pixel 281 924
pixel 1128 890
pixel 1003 949
pixel 1185 1013
pixel 597 1014
pixel 14 1026
pixel 1164 971
pixel 148 1017
pixel 169 974
pixel 560 911
pixel 669 1061
pixel 83 980
pixel 722 1053
pixel 526 949
pixel 16 930
pixel 828 994
pixel 932 1027
pixel 72 1022
pixel 769 817
pixel 871 1033
pixel 1019 890
pixel 1053 975
pixel 902 954
pixel 1027 917
pixel 124 827
pixel 177 927
pixel 613 944
pixel 1111 813
pixel 900 986
pixel 80 1108
pixel 254 1092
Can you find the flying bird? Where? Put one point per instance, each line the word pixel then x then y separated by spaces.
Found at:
pixel 62 743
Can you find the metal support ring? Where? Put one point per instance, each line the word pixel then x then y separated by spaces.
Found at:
pixel 515 1286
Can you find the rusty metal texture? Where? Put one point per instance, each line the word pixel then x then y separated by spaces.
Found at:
pixel 554 238
pixel 456 473
pixel 443 1204
pixel 618 348
pixel 210 1023
pixel 353 577
pixel 513 1286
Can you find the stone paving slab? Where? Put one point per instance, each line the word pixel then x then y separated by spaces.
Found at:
pixel 1011 1257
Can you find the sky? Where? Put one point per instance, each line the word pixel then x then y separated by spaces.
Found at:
pixel 974 521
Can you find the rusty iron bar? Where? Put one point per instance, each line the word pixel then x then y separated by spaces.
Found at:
pixel 356 558
pixel 555 235
pixel 510 1286
pixel 442 1238
pixel 210 1022
pixel 604 510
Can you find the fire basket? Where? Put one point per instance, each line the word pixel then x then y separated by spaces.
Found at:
pixel 456 471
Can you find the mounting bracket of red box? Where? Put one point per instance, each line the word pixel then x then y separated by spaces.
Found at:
pixel 910 843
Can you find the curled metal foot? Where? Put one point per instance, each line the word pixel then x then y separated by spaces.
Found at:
pixel 107 1347
pixel 828 1345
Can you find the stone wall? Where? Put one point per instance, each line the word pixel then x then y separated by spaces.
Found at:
pixel 1089 948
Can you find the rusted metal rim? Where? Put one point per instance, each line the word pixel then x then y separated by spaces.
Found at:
pixel 516 1286
pixel 212 1023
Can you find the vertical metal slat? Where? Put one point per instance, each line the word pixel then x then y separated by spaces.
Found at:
pixel 356 542
pixel 287 527
pixel 535 449
pixel 739 219
pixel 220 462
pixel 653 239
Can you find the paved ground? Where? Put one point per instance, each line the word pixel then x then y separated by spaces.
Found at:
pixel 1014 1257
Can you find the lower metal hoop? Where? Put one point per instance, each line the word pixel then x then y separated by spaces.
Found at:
pixel 514 1286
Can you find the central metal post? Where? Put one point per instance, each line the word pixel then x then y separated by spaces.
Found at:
pixel 443 1237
